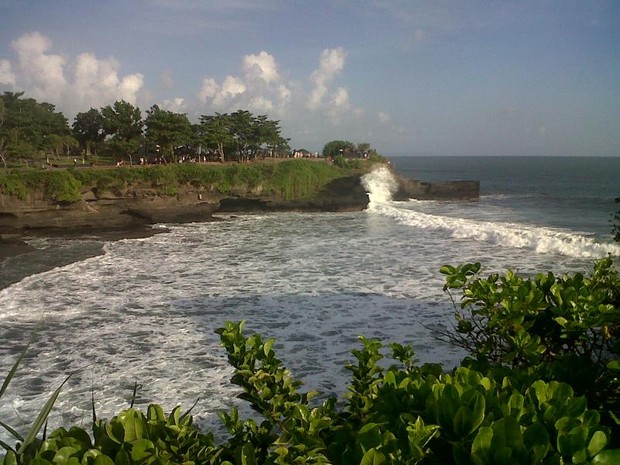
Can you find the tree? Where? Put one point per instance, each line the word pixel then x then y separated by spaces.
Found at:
pixel 267 134
pixel 338 147
pixel 215 130
pixel 167 129
pixel 2 138
pixel 88 130
pixel 26 124
pixel 243 133
pixel 123 123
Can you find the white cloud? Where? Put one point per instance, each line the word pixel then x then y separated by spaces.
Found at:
pixel 209 89
pixel 259 88
pixel 86 82
pixel 330 64
pixel 42 73
pixel 7 77
pixel 232 86
pixel 261 66
pixel 74 84
pixel 176 105
pixel 96 82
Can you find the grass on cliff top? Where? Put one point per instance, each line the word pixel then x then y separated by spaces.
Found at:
pixel 290 179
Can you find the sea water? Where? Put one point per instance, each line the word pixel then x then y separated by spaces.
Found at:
pixel 145 310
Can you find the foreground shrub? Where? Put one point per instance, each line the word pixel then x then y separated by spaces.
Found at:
pixel 564 328
pixel 402 414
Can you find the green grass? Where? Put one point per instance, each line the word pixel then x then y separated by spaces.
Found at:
pixel 289 179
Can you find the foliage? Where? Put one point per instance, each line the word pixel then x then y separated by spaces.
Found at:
pixel 167 129
pixel 62 186
pixel 616 223
pixel 338 147
pixel 397 413
pixel 53 185
pixel 242 134
pixel 564 328
pixel 346 154
pixel 13 184
pixel 351 163
pixel 122 122
pixel 26 126
pixel 30 130
pixel 88 130
pixel 289 179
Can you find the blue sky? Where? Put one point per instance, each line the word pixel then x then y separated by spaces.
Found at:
pixel 436 77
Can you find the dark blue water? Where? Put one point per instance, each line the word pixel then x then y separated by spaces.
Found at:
pixel 574 193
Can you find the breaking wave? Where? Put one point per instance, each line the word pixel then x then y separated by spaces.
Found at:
pixel 381 183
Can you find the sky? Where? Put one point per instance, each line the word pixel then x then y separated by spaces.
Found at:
pixel 410 77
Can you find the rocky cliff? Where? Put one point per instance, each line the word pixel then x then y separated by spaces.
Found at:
pixel 139 206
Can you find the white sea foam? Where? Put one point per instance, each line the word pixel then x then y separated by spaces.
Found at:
pixel 380 185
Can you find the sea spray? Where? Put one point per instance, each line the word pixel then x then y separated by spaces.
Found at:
pixel 380 185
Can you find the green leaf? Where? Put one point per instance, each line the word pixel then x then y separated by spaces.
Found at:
pixel 63 454
pixel 597 443
pixel 42 417
pixel 536 439
pixel 373 457
pixel 481 447
pixel 12 371
pixel 267 346
pixel 156 413
pixel 447 269
pixel 13 433
pixel 247 455
pixel 507 432
pixel 141 450
pixel 9 459
pixel 134 426
pixel 369 436
pixel 607 457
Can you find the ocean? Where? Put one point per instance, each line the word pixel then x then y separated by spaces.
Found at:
pixel 145 310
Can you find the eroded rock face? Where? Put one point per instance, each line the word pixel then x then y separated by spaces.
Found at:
pixel 138 207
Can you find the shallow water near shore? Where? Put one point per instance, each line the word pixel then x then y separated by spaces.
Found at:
pixel 145 310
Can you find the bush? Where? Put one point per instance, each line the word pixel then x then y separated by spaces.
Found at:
pixel 62 187
pixel 564 328
pixel 290 179
pixel 11 184
pixel 403 414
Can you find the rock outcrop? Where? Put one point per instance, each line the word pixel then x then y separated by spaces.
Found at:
pixel 444 190
pixel 137 207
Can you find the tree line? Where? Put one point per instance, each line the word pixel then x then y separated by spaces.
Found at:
pixel 31 130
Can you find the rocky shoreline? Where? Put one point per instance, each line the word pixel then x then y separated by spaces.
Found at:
pixel 138 207
pixel 130 213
